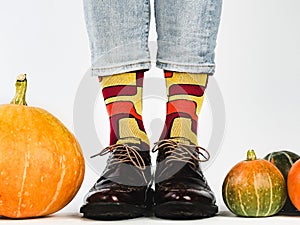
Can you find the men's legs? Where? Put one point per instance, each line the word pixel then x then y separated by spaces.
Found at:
pixel 187 32
pixel 118 34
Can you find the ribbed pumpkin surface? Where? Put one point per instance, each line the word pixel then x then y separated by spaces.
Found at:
pixel 41 163
pixel 254 188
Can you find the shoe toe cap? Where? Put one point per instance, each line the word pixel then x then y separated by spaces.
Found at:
pixel 104 195
pixel 186 195
pixel 129 196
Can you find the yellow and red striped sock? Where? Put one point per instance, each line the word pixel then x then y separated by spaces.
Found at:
pixel 185 97
pixel 123 98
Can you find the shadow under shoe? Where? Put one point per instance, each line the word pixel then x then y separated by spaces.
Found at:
pixel 124 189
pixel 181 190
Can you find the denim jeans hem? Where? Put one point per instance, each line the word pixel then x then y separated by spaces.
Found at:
pixel 128 67
pixel 187 68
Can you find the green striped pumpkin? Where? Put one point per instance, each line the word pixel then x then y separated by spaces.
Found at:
pixel 254 188
pixel 284 160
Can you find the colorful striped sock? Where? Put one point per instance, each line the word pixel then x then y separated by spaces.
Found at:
pixel 185 97
pixel 123 98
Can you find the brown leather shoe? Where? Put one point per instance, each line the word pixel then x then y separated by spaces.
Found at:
pixel 181 191
pixel 124 188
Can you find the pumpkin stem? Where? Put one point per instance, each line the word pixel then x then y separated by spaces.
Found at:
pixel 21 86
pixel 251 155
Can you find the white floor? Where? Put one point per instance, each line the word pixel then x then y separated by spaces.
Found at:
pixel 224 217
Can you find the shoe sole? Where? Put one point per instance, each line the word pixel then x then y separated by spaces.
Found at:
pixel 113 211
pixel 184 210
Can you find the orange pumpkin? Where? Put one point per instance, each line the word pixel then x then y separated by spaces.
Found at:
pixel 293 184
pixel 254 188
pixel 41 163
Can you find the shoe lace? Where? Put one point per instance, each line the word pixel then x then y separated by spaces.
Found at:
pixel 123 153
pixel 176 149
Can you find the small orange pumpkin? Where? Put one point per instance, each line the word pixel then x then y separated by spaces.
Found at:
pixel 254 188
pixel 293 184
pixel 41 163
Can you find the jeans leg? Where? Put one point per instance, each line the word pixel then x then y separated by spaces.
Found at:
pixel 187 32
pixel 118 35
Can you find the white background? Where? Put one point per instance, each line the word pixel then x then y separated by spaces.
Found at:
pixel 258 72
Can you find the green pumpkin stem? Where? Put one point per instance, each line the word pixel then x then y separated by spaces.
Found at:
pixel 251 155
pixel 21 86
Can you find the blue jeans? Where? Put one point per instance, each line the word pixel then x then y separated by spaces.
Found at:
pixel 118 33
